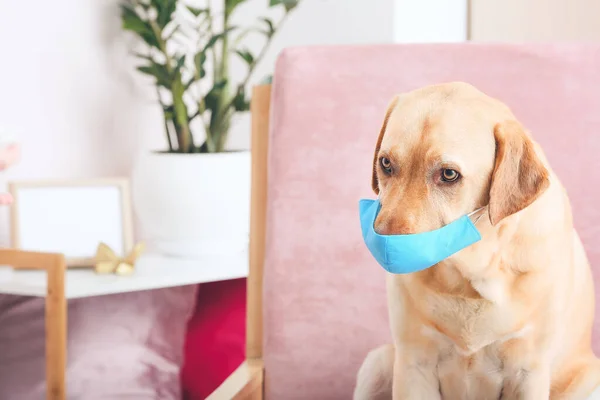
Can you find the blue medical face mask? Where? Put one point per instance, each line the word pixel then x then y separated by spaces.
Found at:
pixel 403 254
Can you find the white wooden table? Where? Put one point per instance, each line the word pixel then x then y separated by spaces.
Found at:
pixel 151 272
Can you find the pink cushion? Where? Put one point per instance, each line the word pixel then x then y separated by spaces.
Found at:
pixel 122 346
pixel 324 303
pixel 215 340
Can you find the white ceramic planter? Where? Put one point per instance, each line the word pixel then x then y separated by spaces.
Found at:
pixel 189 205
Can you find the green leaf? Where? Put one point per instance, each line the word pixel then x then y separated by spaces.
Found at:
pixel 230 5
pixel 144 4
pixel 144 57
pixel 240 103
pixel 199 60
pixel 131 21
pixel 172 33
pixel 270 26
pixel 211 100
pixel 246 56
pixel 196 11
pixel 191 82
pixel 169 113
pixel 165 10
pixel 211 42
pixel 288 4
pixel 146 70
pixel 150 39
pixel 180 62
pixel 159 72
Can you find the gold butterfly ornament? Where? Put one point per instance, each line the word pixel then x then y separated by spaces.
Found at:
pixel 108 262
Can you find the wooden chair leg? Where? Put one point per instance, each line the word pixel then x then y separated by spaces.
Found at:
pixel 56 331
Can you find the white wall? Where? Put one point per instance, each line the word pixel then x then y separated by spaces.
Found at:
pixel 423 21
pixel 67 88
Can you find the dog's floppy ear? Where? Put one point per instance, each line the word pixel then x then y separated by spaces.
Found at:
pixel 374 180
pixel 519 176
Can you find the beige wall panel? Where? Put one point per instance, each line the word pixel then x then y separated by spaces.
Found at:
pixel 534 20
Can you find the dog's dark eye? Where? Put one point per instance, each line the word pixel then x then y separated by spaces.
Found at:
pixel 386 164
pixel 449 175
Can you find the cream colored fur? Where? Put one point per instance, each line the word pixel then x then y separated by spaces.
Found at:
pixel 509 317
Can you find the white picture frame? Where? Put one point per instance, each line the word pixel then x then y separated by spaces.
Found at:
pixel 72 217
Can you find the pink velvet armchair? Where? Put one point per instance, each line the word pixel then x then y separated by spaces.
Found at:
pixel 316 299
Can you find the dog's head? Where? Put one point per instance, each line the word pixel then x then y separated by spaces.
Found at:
pixel 446 150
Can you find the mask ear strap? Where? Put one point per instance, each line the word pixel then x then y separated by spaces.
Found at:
pixel 479 216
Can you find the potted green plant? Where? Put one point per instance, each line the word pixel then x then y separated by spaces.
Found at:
pixel 193 197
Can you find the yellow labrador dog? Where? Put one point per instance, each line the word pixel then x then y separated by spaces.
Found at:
pixel 509 317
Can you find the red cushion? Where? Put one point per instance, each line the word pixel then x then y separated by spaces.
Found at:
pixel 215 343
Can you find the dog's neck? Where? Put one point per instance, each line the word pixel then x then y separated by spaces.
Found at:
pixel 487 269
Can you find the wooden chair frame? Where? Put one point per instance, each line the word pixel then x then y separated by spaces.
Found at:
pixel 247 381
pixel 55 314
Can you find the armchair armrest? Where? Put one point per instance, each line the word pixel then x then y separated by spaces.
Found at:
pixel 55 315
pixel 246 382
